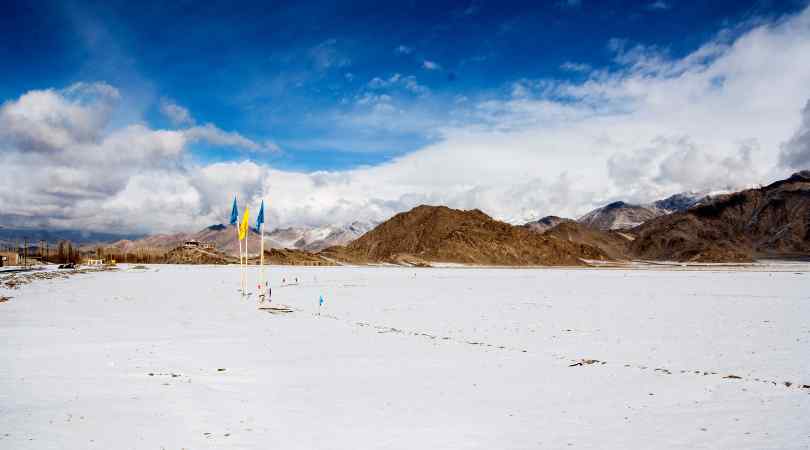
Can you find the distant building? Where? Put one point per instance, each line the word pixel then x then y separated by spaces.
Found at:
pixel 9 259
pixel 193 243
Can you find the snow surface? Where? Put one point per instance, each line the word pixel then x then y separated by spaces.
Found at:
pixel 442 358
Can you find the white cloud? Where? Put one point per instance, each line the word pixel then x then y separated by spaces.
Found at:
pixel 431 65
pixel 658 5
pixel 211 134
pixel 727 115
pixel 795 152
pixel 62 165
pixel 178 115
pixel 575 67
pixel 48 120
pixel 471 10
pixel 408 83
pixel 326 55
pixel 404 49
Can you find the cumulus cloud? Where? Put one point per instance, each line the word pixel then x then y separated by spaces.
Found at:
pixel 677 164
pixel 49 120
pixel 62 165
pixel 795 153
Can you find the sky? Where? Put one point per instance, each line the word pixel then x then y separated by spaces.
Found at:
pixel 139 117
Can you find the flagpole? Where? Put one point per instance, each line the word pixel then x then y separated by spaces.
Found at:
pixel 247 235
pixel 235 223
pixel 261 259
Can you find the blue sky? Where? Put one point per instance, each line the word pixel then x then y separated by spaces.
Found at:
pixel 146 117
pixel 297 73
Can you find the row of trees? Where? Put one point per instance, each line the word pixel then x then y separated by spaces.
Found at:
pixel 28 253
pixel 145 255
pixel 67 252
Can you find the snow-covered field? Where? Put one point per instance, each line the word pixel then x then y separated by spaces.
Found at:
pixel 443 358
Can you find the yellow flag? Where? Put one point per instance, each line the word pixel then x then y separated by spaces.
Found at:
pixel 243 228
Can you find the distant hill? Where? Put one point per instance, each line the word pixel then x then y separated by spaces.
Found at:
pixel 222 236
pixel 615 244
pixel 10 235
pixel 310 239
pixel 682 201
pixel 196 255
pixel 315 239
pixel 428 234
pixel 622 216
pixel 769 221
pixel 546 223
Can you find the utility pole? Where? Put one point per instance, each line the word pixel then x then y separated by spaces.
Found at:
pixel 25 251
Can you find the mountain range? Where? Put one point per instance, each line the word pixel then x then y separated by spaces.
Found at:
pixel 12 236
pixel 621 215
pixel 317 238
pixel 771 221
pixel 431 234
pixel 312 239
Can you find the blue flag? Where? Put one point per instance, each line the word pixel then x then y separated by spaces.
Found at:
pixel 260 217
pixel 234 213
pixel 321 303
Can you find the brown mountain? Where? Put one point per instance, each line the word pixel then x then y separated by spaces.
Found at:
pixel 222 236
pixel 770 221
pixel 293 257
pixel 439 234
pixel 615 244
pixel 546 223
pixel 620 216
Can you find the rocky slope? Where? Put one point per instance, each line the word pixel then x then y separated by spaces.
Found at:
pixel 224 238
pixel 316 238
pixel 769 221
pixel 682 201
pixel 622 216
pixel 293 257
pixel 615 244
pixel 428 234
pixel 546 223
pixel 181 255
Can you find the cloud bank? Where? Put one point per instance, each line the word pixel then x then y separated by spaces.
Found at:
pixel 731 114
